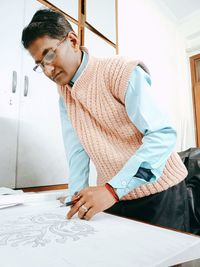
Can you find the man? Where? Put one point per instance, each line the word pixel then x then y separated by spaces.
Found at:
pixel 109 115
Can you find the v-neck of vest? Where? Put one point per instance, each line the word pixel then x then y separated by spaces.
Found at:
pixel 84 77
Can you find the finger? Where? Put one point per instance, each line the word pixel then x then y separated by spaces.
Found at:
pixel 82 211
pixel 74 209
pixel 91 212
pixel 61 199
pixel 75 197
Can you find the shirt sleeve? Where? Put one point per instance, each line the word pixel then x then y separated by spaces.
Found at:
pixel 159 137
pixel 78 159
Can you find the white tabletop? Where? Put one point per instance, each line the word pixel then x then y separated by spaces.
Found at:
pixel 38 234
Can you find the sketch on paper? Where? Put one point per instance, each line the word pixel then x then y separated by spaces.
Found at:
pixel 40 230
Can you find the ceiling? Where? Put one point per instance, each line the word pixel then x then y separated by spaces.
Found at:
pixel 182 8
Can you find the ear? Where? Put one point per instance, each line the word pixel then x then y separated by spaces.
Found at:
pixel 73 39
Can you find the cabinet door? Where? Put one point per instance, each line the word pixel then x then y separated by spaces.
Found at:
pixel 11 21
pixel 41 157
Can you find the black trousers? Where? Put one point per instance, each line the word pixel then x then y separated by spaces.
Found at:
pixel 169 208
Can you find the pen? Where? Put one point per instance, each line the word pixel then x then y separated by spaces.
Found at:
pixel 69 203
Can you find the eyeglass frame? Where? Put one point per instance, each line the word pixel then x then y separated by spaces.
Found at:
pixel 41 64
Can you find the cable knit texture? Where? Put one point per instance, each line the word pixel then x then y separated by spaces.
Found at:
pixel 96 107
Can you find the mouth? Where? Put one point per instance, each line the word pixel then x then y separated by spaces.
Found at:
pixel 56 76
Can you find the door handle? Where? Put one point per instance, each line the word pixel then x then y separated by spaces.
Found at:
pixel 26 85
pixel 14 81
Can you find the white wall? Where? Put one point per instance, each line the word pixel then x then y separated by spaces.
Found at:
pixel 148 31
pixel 190 29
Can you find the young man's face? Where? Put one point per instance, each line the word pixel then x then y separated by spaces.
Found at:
pixel 66 60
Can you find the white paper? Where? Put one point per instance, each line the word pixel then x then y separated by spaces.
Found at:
pixel 40 235
pixel 9 191
pixel 11 200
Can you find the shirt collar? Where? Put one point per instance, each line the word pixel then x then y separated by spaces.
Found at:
pixel 80 69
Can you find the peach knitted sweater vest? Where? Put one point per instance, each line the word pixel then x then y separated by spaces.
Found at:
pixel 96 107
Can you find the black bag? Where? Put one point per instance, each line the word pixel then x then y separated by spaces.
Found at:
pixel 191 159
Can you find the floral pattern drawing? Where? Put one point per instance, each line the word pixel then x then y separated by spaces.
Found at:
pixel 40 230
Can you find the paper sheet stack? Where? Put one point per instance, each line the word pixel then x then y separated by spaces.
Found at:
pixel 10 197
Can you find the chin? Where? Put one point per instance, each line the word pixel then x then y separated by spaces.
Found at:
pixel 62 82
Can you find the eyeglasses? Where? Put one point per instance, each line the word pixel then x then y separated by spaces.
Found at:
pixel 48 58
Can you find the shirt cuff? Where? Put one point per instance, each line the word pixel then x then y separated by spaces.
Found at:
pixel 121 180
pixel 134 183
pixel 76 187
pixel 68 198
pixel 125 180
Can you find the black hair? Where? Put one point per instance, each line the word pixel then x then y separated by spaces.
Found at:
pixel 46 22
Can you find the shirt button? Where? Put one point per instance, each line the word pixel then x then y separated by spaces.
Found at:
pixel 126 190
pixel 123 183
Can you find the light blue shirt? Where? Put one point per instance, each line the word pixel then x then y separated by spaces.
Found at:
pixel 158 142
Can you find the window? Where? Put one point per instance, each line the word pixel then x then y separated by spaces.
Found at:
pixel 94 21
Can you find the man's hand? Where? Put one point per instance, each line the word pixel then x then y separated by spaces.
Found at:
pixel 92 200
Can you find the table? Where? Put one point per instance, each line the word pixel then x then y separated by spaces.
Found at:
pixel 37 233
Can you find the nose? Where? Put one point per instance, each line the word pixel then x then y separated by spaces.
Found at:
pixel 48 70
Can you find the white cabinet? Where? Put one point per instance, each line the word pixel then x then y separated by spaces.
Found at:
pixel 31 146
pixel 10 32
